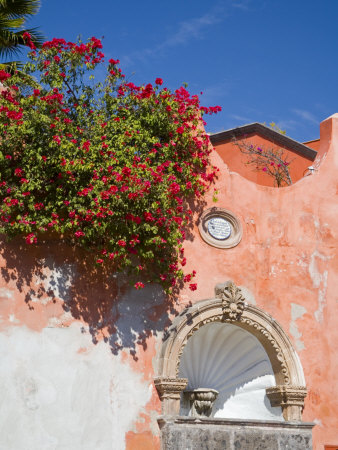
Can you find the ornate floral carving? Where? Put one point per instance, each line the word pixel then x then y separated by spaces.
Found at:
pixel 278 351
pixel 229 305
pixel 233 302
pixel 229 293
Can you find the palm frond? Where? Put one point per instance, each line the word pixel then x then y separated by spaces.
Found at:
pixel 18 8
pixel 16 23
pixel 12 42
pixel 13 15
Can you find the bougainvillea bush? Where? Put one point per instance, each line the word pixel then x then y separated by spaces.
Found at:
pixel 271 160
pixel 109 166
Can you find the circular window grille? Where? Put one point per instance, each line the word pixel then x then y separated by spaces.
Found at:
pixel 220 228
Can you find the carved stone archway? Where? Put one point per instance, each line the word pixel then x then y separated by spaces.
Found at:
pixel 230 306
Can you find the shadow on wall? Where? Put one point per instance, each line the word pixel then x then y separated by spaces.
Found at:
pixel 113 311
pixel 55 271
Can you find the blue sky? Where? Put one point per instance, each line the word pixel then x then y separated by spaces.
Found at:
pixel 261 60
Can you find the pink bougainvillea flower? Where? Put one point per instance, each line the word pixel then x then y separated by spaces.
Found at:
pixel 139 285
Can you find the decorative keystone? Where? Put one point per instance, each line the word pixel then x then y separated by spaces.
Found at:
pixel 233 302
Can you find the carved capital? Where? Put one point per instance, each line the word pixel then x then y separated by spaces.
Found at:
pixel 170 385
pixel 169 390
pixel 290 399
pixel 233 302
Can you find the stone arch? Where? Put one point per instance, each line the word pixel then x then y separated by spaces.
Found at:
pixel 230 306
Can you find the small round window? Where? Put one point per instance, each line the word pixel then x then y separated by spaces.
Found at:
pixel 220 228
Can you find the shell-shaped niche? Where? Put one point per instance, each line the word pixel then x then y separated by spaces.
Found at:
pixel 232 361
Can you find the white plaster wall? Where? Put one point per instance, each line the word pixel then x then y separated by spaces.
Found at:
pixel 59 391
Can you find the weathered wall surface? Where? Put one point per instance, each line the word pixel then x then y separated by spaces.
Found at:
pixel 78 349
pixel 288 261
pixel 76 354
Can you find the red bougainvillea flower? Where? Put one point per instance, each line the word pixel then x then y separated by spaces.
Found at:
pixel 28 40
pixel 26 36
pixel 112 166
pixel 4 75
pixel 31 239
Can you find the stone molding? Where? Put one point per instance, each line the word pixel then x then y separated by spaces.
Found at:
pixel 254 423
pixel 235 224
pixel 290 398
pixel 229 305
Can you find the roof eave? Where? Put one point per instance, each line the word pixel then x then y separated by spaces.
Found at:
pixel 264 131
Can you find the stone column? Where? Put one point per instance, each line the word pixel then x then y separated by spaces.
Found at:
pixel 290 399
pixel 169 390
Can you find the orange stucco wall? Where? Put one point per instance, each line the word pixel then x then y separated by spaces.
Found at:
pixel 315 144
pixel 286 259
pixel 236 161
pixel 288 255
